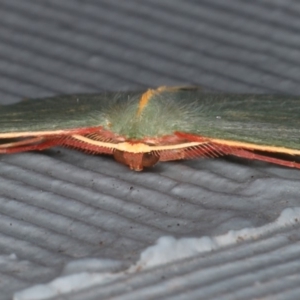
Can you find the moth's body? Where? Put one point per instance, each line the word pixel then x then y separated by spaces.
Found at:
pixel 140 129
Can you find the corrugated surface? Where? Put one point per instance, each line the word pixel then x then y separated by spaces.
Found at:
pixel 257 270
pixel 61 205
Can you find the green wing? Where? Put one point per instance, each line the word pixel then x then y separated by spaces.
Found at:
pixel 64 112
pixel 272 120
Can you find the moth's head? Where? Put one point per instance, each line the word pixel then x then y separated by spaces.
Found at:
pixel 136 161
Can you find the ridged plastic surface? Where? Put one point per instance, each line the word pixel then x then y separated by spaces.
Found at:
pixel 61 205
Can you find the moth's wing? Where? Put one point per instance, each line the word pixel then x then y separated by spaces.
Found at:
pixel 61 113
pixel 267 120
pixel 270 120
pixel 258 119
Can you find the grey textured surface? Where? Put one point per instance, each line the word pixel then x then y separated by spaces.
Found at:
pixel 61 205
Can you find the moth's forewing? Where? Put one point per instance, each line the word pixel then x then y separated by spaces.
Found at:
pixel 62 113
pixel 270 120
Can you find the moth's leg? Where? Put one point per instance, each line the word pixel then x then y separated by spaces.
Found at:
pixel 205 149
pixel 183 153
pixel 85 146
pixel 42 143
pixel 22 142
pixel 251 155
pixel 29 145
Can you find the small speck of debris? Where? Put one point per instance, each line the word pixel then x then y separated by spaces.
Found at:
pixel 218 117
pixel 240 239
pixel 131 188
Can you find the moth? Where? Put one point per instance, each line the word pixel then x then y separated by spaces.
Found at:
pixel 168 123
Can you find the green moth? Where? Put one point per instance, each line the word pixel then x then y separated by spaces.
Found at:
pixel 142 128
